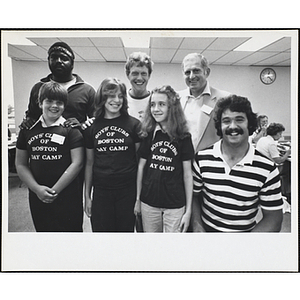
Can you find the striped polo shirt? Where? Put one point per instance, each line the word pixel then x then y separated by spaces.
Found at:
pixel 231 197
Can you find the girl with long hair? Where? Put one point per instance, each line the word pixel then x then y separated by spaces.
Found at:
pixel 164 180
pixel 111 167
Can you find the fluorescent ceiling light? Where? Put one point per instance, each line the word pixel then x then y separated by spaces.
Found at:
pixel 258 42
pixel 136 39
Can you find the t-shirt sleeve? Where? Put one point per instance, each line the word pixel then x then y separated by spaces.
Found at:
pixel 270 194
pixel 21 141
pixel 197 178
pixel 87 134
pixel 136 131
pixel 76 138
pixel 187 150
pixel 144 149
pixel 274 152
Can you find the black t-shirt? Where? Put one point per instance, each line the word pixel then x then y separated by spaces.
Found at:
pixel 163 184
pixel 49 150
pixel 113 141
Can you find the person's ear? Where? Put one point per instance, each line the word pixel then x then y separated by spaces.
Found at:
pixel 207 72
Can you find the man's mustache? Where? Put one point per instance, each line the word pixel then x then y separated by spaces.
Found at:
pixel 229 131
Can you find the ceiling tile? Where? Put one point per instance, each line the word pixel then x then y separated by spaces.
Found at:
pixel 166 43
pixel 226 43
pixel 35 51
pixel 254 58
pixel 285 63
pixel 275 59
pixel 283 44
pixel 232 57
pixel 179 56
pixel 196 43
pixel 77 41
pixel 108 42
pixel 18 54
pixel 162 55
pixel 47 42
pixel 212 56
pixel 128 51
pixel 88 53
pixel 162 49
pixel 113 54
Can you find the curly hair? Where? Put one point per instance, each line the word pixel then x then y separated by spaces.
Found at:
pixel 237 104
pixel 139 59
pixel 176 125
pixel 108 86
pixel 274 128
pixel 54 91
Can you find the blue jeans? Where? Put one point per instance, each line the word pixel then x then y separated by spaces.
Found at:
pixel 161 219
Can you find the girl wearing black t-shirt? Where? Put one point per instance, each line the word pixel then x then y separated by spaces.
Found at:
pixel 111 166
pixel 164 180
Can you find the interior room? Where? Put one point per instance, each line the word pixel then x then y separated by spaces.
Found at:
pixel 237 59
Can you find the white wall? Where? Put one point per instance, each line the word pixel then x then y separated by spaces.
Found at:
pixel 273 100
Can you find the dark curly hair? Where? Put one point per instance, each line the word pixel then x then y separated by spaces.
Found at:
pixel 237 104
pixel 274 128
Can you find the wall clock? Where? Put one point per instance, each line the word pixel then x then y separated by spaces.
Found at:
pixel 267 76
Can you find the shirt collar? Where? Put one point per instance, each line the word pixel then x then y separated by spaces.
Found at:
pixel 248 158
pixel 58 122
pixel 156 129
pixel 206 91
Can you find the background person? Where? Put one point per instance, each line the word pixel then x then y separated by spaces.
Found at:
pixel 198 100
pixel 164 181
pixel 232 180
pixel 268 145
pixel 261 130
pixel 138 70
pixel 110 171
pixel 48 160
pixel 80 94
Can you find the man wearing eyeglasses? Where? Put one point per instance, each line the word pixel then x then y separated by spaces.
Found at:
pixel 198 100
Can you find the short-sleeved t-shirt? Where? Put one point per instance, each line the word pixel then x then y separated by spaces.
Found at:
pixel 268 146
pixel 49 150
pixel 137 106
pixel 113 141
pixel 163 184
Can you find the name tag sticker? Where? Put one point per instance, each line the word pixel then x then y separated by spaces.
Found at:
pixel 56 138
pixel 206 109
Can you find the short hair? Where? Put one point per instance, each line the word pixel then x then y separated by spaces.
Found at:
pixel 139 59
pixel 176 126
pixel 274 128
pixel 108 86
pixel 53 91
pixel 236 104
pixel 259 118
pixel 203 60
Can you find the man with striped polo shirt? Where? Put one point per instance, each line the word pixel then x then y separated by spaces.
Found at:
pixel 232 180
